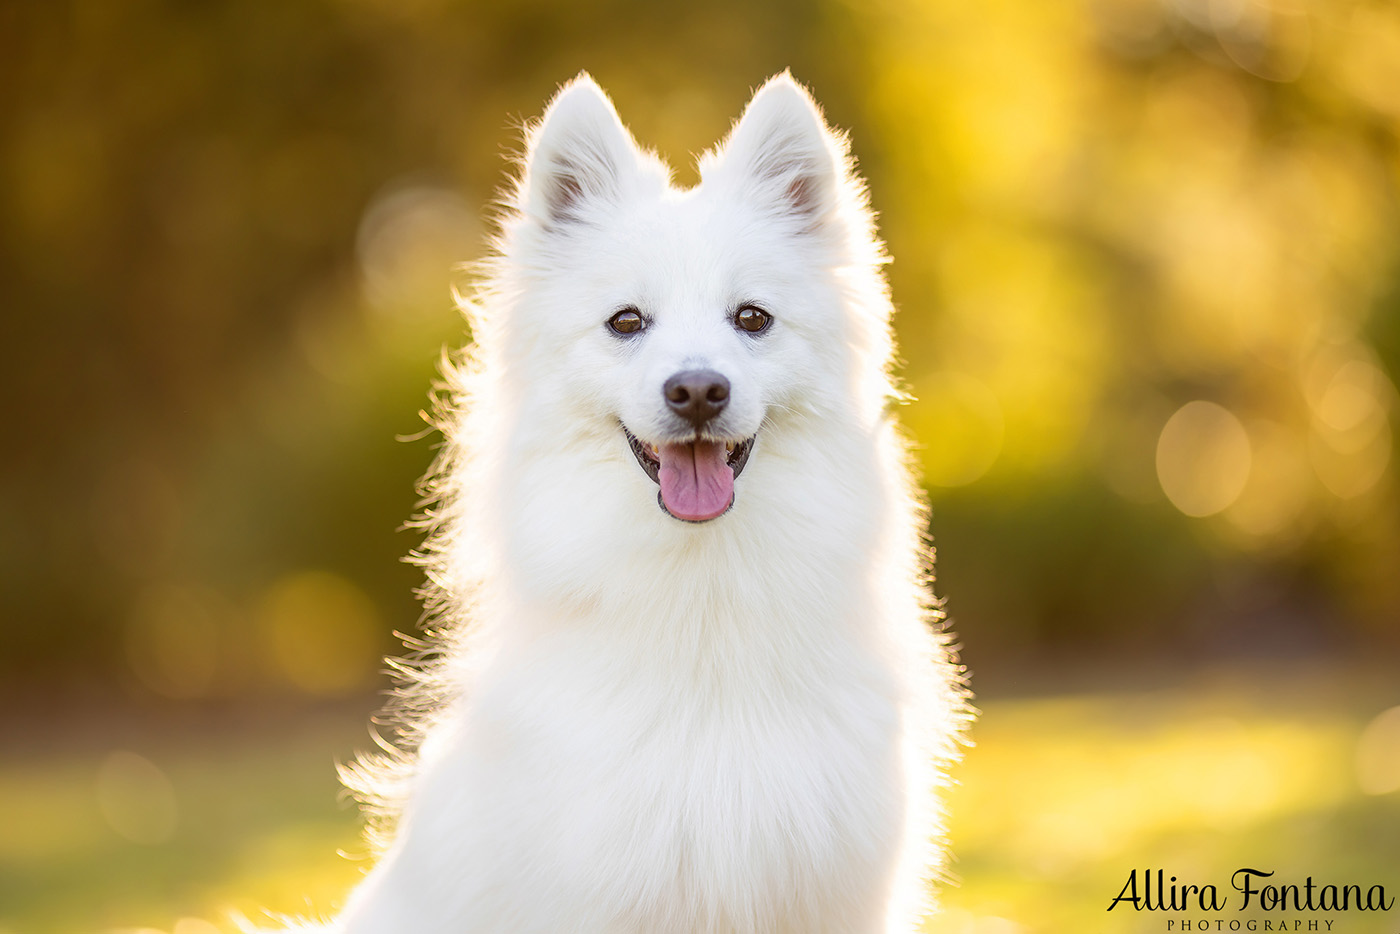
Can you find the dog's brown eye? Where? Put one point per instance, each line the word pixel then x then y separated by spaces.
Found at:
pixel 627 321
pixel 751 318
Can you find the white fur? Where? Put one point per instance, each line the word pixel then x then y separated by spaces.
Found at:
pixel 640 724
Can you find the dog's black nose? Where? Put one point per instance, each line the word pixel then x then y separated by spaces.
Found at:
pixel 696 395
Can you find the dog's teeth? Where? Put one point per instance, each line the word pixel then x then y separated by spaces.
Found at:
pixel 729 446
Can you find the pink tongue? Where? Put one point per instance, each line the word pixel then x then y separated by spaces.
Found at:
pixel 696 483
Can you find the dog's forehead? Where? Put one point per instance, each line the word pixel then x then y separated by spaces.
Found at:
pixel 695 240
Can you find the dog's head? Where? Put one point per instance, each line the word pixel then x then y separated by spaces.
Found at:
pixel 682 326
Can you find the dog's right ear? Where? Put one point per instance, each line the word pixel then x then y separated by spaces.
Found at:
pixel 580 155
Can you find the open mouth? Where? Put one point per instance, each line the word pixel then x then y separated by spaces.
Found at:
pixel 696 477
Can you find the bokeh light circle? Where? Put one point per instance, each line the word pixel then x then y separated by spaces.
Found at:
pixel 1203 458
pixel 136 798
pixel 319 630
pixel 961 427
pixel 1378 754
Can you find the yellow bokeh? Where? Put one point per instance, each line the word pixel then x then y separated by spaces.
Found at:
pixel 960 422
pixel 1275 500
pixel 173 640
pixel 1378 754
pixel 320 632
pixel 136 798
pixel 230 235
pixel 1203 458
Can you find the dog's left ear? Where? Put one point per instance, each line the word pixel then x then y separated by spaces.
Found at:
pixel 782 153
pixel 580 156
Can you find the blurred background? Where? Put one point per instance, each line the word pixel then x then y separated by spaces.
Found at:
pixel 1148 276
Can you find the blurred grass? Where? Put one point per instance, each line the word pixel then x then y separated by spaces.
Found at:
pixel 1059 800
pixel 1062 797
pixel 259 823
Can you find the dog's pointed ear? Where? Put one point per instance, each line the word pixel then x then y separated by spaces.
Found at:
pixel 782 152
pixel 579 154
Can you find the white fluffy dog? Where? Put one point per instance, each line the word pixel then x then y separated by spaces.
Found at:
pixel 690 676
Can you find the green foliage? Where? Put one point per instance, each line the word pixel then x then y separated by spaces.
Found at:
pixel 1145 260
